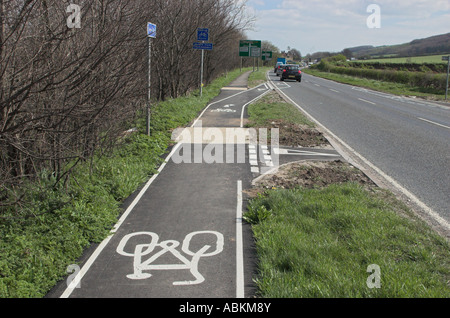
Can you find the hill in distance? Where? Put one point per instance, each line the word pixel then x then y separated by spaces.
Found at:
pixel 438 44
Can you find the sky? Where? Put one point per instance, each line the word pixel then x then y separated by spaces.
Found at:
pixel 333 25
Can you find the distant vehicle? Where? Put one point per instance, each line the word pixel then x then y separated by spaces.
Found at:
pixel 283 60
pixel 280 69
pixel 276 66
pixel 291 71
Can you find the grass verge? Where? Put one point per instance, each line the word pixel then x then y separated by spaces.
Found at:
pixel 381 86
pixel 319 229
pixel 36 251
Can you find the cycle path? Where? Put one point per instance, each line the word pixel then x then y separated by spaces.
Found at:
pixel 182 235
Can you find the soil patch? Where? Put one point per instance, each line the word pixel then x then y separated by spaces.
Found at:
pixel 311 174
pixel 295 135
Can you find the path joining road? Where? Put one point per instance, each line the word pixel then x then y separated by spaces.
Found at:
pixel 182 234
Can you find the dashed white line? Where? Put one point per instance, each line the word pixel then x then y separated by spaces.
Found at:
pixel 334 90
pixel 434 123
pixel 366 101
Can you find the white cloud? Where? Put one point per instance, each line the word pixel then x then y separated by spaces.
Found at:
pixel 332 25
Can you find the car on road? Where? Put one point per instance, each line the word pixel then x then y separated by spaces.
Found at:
pixel 276 66
pixel 291 71
pixel 279 69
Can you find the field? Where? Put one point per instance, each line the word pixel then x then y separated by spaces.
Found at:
pixel 427 80
pixel 413 59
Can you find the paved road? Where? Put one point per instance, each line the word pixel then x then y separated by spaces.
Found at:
pixel 182 235
pixel 407 139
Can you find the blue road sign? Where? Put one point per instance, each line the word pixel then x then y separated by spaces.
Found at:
pixel 203 46
pixel 203 34
pixel 151 30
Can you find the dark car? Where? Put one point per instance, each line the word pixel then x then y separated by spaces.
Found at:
pixel 291 71
pixel 279 69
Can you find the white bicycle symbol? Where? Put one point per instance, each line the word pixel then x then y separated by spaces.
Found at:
pixel 142 250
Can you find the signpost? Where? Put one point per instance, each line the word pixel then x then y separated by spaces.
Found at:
pixel 266 55
pixel 203 46
pixel 250 48
pixel 447 58
pixel 151 33
pixel 202 36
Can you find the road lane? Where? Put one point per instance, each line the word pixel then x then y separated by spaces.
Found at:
pixel 389 131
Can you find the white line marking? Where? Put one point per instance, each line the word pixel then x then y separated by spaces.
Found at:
pixel 317 85
pixel 239 245
pixel 428 210
pixel 144 249
pixel 434 123
pixel 296 152
pixel 105 242
pixel 334 90
pixel 206 108
pixel 252 101
pixel 255 169
pixel 366 101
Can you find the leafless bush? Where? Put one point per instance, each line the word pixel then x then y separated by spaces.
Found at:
pixel 66 93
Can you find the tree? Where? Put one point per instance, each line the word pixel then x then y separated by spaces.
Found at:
pixel 68 93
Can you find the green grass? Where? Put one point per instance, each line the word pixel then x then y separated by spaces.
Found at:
pixel 413 59
pixel 382 86
pixel 63 220
pixel 258 77
pixel 269 108
pixel 320 242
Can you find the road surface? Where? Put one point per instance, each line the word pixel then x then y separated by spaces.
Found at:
pixel 407 139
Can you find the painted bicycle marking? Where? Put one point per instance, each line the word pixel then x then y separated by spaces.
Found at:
pixel 141 250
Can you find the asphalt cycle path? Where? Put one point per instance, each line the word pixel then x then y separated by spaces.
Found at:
pixel 182 235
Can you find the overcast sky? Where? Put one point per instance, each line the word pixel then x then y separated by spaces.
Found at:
pixel 333 25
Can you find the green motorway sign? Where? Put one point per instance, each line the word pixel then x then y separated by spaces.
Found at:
pixel 266 55
pixel 249 48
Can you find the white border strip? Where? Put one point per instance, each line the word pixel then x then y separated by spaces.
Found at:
pixel 239 245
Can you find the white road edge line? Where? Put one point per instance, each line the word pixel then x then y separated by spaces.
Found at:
pixel 432 122
pixel 363 100
pixel 105 242
pixel 413 198
pixel 239 245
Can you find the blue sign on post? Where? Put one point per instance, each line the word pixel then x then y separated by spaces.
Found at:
pixel 203 34
pixel 151 30
pixel 203 46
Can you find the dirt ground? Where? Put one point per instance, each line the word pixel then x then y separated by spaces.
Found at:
pixel 310 174
pixel 295 135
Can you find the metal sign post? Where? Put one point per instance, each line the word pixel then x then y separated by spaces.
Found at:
pixel 151 33
pixel 447 58
pixel 250 48
pixel 202 35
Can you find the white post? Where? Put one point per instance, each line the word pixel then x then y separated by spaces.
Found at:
pixel 149 83
pixel 448 71
pixel 201 75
